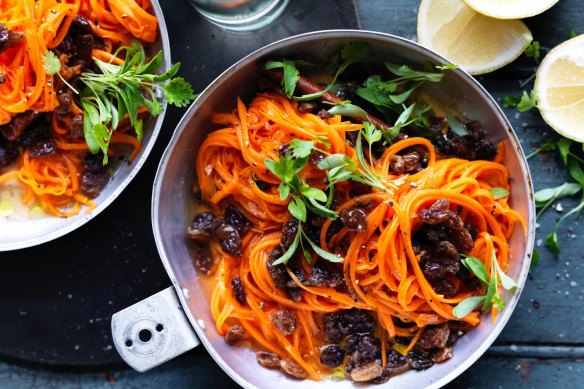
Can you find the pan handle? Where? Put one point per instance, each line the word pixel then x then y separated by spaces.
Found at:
pixel 153 331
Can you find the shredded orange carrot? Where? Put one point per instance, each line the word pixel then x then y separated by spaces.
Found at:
pixel 381 270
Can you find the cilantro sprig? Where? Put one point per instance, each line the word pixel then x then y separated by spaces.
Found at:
pixel 120 90
pixel 491 283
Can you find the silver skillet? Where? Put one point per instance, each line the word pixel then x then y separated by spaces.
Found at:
pixel 178 318
pixel 22 232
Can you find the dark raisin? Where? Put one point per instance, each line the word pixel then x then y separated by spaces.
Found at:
pixel 278 272
pixel 324 114
pixel 445 287
pixel 42 149
pixel 324 273
pixel 446 251
pixel 485 150
pixel 93 162
pixel 92 183
pixel 81 23
pixel 454 222
pixel 202 259
pixel 331 355
pixel 306 106
pixel 76 127
pixel 267 359
pixel 262 185
pixel 9 38
pixel 346 322
pixel 437 213
pixel 8 154
pixel 65 100
pixel 315 157
pixel 229 240
pixel 397 164
pixel 293 369
pixel 472 230
pixel 202 227
pixel 34 134
pixel 233 216
pixel 462 240
pixel 289 232
pixel 235 334
pixel 433 337
pixel 84 47
pixel 441 354
pixel 419 361
pixel 285 321
pixel 332 331
pixel 19 124
pixel 238 290
pixel 364 347
pixel 366 372
pixel 295 293
pixel 411 162
pixel 355 219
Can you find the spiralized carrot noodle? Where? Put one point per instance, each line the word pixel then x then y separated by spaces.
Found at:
pixel 53 182
pixel 381 270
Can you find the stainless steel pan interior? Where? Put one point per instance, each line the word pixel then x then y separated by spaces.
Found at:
pixel 172 211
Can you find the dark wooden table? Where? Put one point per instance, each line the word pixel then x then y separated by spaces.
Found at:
pixel 542 345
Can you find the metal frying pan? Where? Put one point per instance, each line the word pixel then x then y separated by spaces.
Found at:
pixel 21 231
pixel 177 319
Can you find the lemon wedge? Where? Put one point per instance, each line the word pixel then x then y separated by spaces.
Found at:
pixel 510 9
pixel 559 88
pixel 475 42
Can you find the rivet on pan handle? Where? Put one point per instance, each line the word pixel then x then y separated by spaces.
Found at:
pixel 152 331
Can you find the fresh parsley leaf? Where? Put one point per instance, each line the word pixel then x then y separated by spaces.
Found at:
pixel 178 92
pixel 535 259
pixel 506 282
pixel 297 208
pixel 564 145
pixel 301 148
pixel 499 193
pixel 447 66
pixel 283 168
pixel 576 171
pixel 551 241
pixel 291 250
pixel 51 63
pixel 322 253
pixel 117 91
pixel 527 102
pixel 511 101
pixel 313 193
pixel 547 146
pixel 371 133
pixel 477 267
pixel 347 109
pixel 290 77
pixel 468 305
pixel 572 34
pixel 532 50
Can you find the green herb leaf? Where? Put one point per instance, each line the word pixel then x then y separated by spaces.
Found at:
pixel 313 193
pixel 527 102
pixel 322 253
pixel 535 259
pixel 576 171
pixel 297 208
pixel 532 50
pixel 290 78
pixel 274 65
pixel 371 133
pixel 332 161
pixel 468 305
pixel 506 282
pixel 447 66
pixel 301 148
pixel 547 146
pixel 347 109
pixel 178 92
pixel 499 193
pixel 456 126
pixel 551 241
pixel 284 190
pixel 511 101
pixel 291 250
pixel 572 34
pixel 477 267
pixel 564 145
pixel 51 63
pixel 283 169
